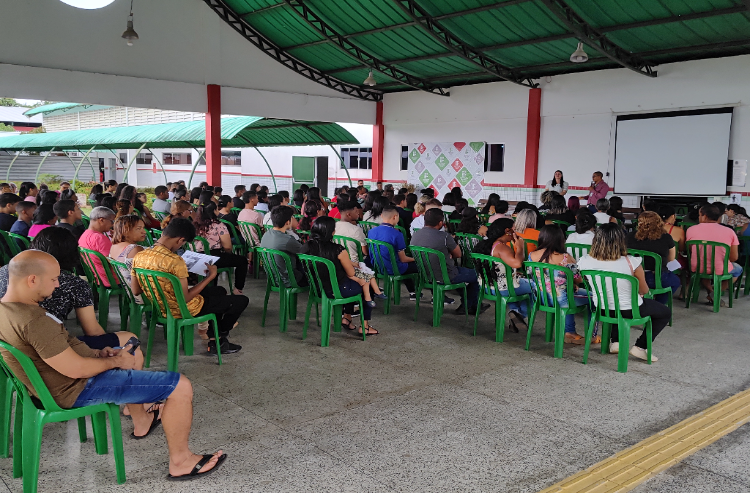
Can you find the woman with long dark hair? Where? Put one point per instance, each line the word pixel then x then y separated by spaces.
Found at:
pixel 373 215
pixel 499 235
pixel 557 183
pixel 310 213
pixel 585 227
pixel 179 208
pixel 320 244
pixel 207 225
pixel 130 194
pixel 225 209
pixel 28 191
pixel 493 201
pixel 95 190
pixel 119 189
pixel 314 194
pixel 470 223
pixel 552 250
pixel 195 195
pixel 299 197
pixel 559 211
pixel 371 196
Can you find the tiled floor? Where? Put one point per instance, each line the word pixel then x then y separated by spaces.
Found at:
pixel 419 409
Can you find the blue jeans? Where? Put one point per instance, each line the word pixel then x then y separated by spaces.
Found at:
pixel 521 307
pixel 128 387
pixel 581 297
pixel 469 276
pixel 668 280
pixel 736 269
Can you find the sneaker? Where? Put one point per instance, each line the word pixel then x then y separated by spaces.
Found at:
pixel 371 304
pixel 473 310
pixel 413 296
pixel 641 354
pixel 381 296
pixel 614 347
pixel 226 347
pixel 446 301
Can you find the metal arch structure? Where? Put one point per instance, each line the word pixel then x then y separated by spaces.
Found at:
pixel 283 57
pixel 455 45
pixel 593 38
pixel 367 59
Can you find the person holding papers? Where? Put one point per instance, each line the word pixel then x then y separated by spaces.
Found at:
pixel 202 298
pixel 651 237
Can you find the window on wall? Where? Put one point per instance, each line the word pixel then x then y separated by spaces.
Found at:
pixel 357 157
pixel 177 158
pixel 494 157
pixel 404 158
pixel 123 157
pixel 231 158
pixel 144 158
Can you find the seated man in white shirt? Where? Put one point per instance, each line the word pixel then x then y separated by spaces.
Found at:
pixel 347 226
pixel 160 203
pixel 418 222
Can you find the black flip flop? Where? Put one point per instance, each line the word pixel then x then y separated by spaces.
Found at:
pixel 153 426
pixel 348 324
pixel 194 474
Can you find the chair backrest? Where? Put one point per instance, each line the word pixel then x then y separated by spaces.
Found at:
pixel 467 242
pixel 541 275
pixel 85 220
pixel 452 224
pixel 270 258
pixel 487 267
pixel 11 248
pixel 251 232
pixel 235 210
pixel 320 273
pixel 193 244
pixel 578 250
pixel 483 218
pixel 153 282
pixel 148 242
pixel 367 226
pixel 657 263
pixel 119 268
pixel 378 251
pixel 232 231
pixel 600 283
pixel 423 257
pixel 704 253
pixel 31 374
pixel 89 259
pixel 155 234
pixel 159 215
pixel 345 242
pixel 303 235
pixel 21 241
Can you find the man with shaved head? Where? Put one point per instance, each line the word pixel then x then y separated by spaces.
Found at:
pixel 78 376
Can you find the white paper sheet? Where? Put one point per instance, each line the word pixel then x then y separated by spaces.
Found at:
pixel 673 265
pixel 196 262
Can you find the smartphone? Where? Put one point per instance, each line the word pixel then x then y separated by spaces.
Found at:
pixel 134 341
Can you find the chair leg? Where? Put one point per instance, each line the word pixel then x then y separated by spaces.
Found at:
pixel 124 311
pixel 103 307
pixel 362 320
pixel 99 425
pixel 283 307
pixel 387 292
pixel 416 302
pixel 173 345
pixel 187 333
pixel 501 308
pixel 396 292
pixel 32 444
pixel 337 312
pixel 265 303
pixel 292 309
pixel 325 324
pixel 307 315
pixel 624 339
pixel 18 439
pixel 82 429
pixel 559 333
pixel 589 333
pixel 117 450
pixel 476 315
pixel 135 319
pixel 150 342
pixel 532 317
pixel 606 337
pixel 549 321
pixel 437 303
pixel 6 406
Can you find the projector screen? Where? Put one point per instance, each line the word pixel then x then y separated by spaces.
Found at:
pixel 676 153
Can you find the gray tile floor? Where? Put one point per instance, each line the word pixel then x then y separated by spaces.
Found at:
pixel 418 409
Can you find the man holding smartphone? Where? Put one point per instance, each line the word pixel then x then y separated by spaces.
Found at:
pixel 597 190
pixel 79 376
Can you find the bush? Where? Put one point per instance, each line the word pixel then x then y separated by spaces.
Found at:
pixel 50 179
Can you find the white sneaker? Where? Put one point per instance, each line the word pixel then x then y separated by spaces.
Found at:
pixel 641 354
pixel 614 347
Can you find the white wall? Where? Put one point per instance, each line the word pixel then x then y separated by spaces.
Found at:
pixel 577 115
pixel 70 54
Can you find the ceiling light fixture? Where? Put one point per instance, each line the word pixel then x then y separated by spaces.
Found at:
pixel 579 56
pixel 87 4
pixel 370 80
pixel 130 35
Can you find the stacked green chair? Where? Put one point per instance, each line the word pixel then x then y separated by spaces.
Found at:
pixel 392 282
pixel 321 273
pixel 437 282
pixel 486 267
pixel 249 232
pixel 89 260
pixel 135 310
pixel 33 413
pixel 704 252
pixel 658 289
pixel 467 242
pixel 541 273
pixel 578 250
pixel 274 283
pixel 238 244
pixel 599 283
pixel 152 283
pixel 367 226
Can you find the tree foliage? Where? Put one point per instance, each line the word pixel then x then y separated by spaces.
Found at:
pixel 6 128
pixel 8 102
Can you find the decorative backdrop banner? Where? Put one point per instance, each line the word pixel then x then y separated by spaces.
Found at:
pixel 444 165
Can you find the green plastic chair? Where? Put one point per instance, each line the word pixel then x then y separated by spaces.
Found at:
pixel 486 266
pixel 303 235
pixel 331 307
pixel 745 267
pixel 22 242
pixel 155 234
pixel 135 310
pixel 159 216
pixel 229 271
pixel 564 224
pixel 367 226
pixel 238 244
pixel 392 282
pixel 251 231
pixel 32 414
pixel 453 225
pixel 555 313
pixel 11 246
pixel 89 260
pixel 344 241
pixel 274 283
pixel 578 250
pixel 152 283
pixel 85 220
pixel 467 242
pixel 599 283
pixel 700 249
pixel 483 218
pixel 659 289
pixel 438 282
pixel 235 210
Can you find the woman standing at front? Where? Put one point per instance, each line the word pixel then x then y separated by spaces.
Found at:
pixel 557 184
pixel 609 253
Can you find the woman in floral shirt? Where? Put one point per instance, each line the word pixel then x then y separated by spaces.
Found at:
pixel 552 250
pixel 208 226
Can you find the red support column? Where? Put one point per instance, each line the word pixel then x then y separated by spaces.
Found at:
pixel 378 139
pixel 533 128
pixel 213 136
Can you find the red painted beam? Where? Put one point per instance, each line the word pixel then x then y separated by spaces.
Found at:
pixel 378 140
pixel 533 131
pixel 213 135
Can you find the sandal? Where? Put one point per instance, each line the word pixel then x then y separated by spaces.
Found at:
pixel 710 302
pixel 368 333
pixel 573 338
pixel 347 324
pixel 516 321
pixel 151 428
pixel 195 474
pixel 596 340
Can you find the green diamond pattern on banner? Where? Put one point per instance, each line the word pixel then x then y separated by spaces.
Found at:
pixel 464 176
pixel 477 146
pixel 441 162
pixel 414 155
pixel 426 178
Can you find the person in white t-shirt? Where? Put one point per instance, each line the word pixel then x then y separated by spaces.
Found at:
pixel 418 222
pixel 609 253
pixel 584 230
pixel 602 206
pixel 557 184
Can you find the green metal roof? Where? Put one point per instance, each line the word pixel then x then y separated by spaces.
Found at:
pixel 436 44
pixel 243 131
pixel 50 108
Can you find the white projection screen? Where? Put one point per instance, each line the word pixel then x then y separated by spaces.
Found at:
pixel 675 153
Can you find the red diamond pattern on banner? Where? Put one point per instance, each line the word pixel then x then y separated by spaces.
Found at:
pixel 453 184
pixel 434 189
pixel 459 145
pixel 421 148
pixel 457 165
